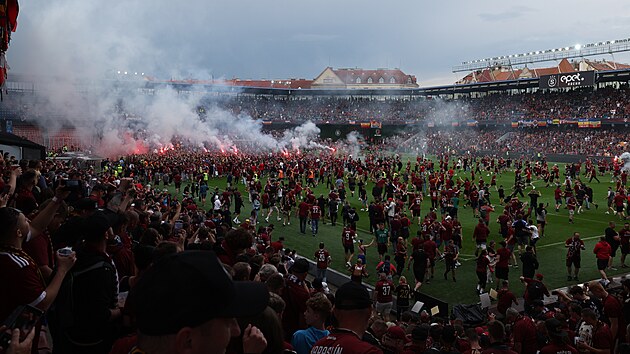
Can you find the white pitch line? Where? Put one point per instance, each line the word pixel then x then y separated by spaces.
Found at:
pixel 578 218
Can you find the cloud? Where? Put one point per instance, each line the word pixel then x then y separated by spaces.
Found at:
pixel 313 37
pixel 511 14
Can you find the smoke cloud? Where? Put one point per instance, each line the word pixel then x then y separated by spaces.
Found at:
pixel 91 61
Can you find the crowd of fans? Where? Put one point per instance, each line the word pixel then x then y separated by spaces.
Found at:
pixel 605 103
pixel 119 265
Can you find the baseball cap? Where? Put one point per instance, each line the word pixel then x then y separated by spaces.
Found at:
pixel 420 332
pixel 300 266
pixel 396 332
pixel 352 296
pixel 190 288
pixel 86 204
pixel 554 328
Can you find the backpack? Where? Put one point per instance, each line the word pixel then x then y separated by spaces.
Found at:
pixel 535 290
pixel 385 268
pixel 64 303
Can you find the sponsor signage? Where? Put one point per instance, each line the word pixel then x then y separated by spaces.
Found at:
pixel 575 79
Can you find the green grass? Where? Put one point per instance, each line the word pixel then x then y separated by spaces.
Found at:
pixel 551 250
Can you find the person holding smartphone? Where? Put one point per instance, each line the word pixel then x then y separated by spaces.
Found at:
pixel 17 268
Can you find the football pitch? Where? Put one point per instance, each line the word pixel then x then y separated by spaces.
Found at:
pixel 551 251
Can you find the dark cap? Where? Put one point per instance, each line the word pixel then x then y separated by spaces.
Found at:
pixel 190 288
pixel 554 328
pixel 420 333
pixel 99 187
pixel 352 296
pixel 86 204
pixel 300 266
pixel 95 226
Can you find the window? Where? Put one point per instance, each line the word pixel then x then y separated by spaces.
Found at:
pixel 358 80
pixel 369 80
pixel 392 80
pixel 409 80
pixel 381 81
pixel 328 80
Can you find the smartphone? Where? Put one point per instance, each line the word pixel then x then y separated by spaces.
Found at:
pixel 178 225
pixel 23 317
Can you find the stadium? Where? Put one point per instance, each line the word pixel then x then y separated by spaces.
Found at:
pixel 358 210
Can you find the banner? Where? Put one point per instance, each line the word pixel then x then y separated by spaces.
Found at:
pixel 542 123
pixel 455 124
pixel 375 124
pixel 583 123
pixel 595 123
pixel 575 79
pixel 365 125
pixel 514 124
pixel 472 123
pixel 556 121
pixel 430 124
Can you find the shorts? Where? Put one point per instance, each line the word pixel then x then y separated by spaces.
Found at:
pixel 620 208
pixel 384 307
pixel 575 262
pixel 348 248
pixel 542 223
pixel 625 249
pixel 382 248
pixel 362 258
pixel 415 212
pixel 419 274
pixel 474 205
pixel 502 273
pixel 481 244
pixel 613 250
pixel 522 240
pixel 558 201
pixel 602 264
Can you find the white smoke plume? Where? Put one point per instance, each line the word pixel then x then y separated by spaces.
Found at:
pixel 92 73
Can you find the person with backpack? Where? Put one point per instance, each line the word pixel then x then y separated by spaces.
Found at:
pixel 535 289
pixel 86 311
pixel 386 267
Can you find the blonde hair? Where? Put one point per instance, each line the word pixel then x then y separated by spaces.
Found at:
pixel 402 280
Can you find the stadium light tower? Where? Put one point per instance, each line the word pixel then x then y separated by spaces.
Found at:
pixel 575 51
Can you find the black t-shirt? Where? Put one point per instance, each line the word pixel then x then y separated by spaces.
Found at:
pixel 610 234
pixel 419 260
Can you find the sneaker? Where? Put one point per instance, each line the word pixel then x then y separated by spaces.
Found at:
pixel 612 268
pixel 278 219
pixel 267 219
pixel 624 266
pixel 289 223
pixel 607 213
pixel 348 265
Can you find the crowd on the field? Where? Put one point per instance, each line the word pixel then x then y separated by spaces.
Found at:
pixel 120 263
pixel 528 142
